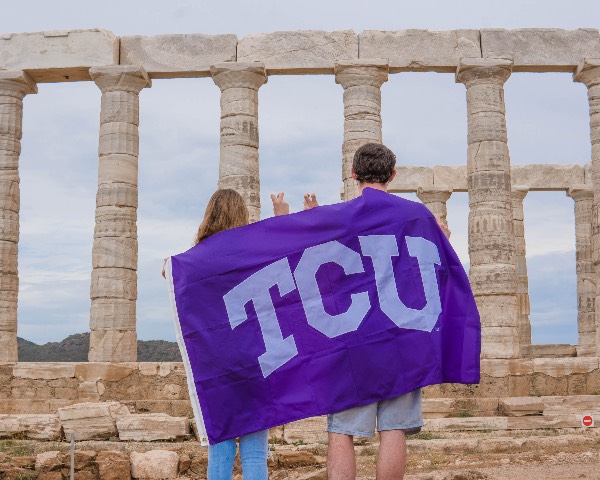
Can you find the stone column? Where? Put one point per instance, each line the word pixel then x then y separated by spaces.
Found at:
pixel 238 168
pixel 361 80
pixel 588 72
pixel 113 335
pixel 523 305
pixel 14 85
pixel 583 196
pixel 435 198
pixel 491 233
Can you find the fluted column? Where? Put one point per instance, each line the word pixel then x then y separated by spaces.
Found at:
pixel 113 336
pixel 588 72
pixel 583 196
pixel 238 168
pixel 523 304
pixel 491 233
pixel 435 198
pixel 14 85
pixel 361 80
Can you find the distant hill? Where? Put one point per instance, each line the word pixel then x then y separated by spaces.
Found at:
pixel 74 348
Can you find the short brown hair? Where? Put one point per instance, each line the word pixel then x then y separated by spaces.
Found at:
pixel 373 163
pixel 226 209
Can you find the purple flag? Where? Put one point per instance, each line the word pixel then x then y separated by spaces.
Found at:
pixel 320 311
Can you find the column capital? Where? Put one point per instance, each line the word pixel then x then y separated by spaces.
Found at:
pixel 580 192
pixel 434 194
pixel 519 192
pixel 588 72
pixel 17 81
pixel 351 73
pixel 471 71
pixel 120 78
pixel 239 75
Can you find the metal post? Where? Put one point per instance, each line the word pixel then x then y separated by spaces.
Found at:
pixel 72 456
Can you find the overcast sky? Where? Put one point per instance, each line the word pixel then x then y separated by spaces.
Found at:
pixel 301 127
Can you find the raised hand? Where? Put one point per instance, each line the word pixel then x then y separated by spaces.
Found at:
pixel 310 201
pixel 280 206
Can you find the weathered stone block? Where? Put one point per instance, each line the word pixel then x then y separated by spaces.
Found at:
pixel 553 351
pixel 506 367
pixel 91 420
pixel 58 56
pixel 499 342
pixel 46 371
pixel 113 345
pixel 172 56
pixel 409 179
pixel 114 283
pixel 561 367
pixel 113 465
pixel 118 168
pixel 150 427
pixel 109 372
pixel 547 176
pixel 531 423
pixel 468 423
pixel 574 404
pixel 155 465
pixel 541 49
pixel 521 406
pixel 453 177
pixel 48 461
pixel 34 426
pixel 308 51
pixel 420 50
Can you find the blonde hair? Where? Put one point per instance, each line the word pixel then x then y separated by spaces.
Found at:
pixel 226 209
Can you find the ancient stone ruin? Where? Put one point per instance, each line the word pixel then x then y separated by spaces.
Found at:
pixel 523 386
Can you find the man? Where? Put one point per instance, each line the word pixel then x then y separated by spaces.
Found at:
pixel 373 166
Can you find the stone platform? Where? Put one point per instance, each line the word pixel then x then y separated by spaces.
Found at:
pixel 39 388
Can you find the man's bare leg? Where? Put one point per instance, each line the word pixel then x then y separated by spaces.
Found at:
pixel 391 461
pixel 341 463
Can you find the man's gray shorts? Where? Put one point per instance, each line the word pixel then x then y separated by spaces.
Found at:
pixel 400 413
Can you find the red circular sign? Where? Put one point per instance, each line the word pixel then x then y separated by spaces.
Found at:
pixel 587 420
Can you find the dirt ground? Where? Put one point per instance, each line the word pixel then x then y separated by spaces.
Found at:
pixel 516 455
pixel 560 454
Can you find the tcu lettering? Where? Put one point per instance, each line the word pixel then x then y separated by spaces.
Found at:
pixel 381 249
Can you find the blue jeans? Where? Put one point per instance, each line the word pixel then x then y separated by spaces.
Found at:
pixel 254 449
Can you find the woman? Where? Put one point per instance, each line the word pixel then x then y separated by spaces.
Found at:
pixel 225 210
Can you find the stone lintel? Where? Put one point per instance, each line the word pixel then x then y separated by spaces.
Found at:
pixel 547 176
pixel 58 56
pixel 409 179
pixel 534 177
pixel 452 177
pixel 298 52
pixel 417 50
pixel 178 56
pixel 541 49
